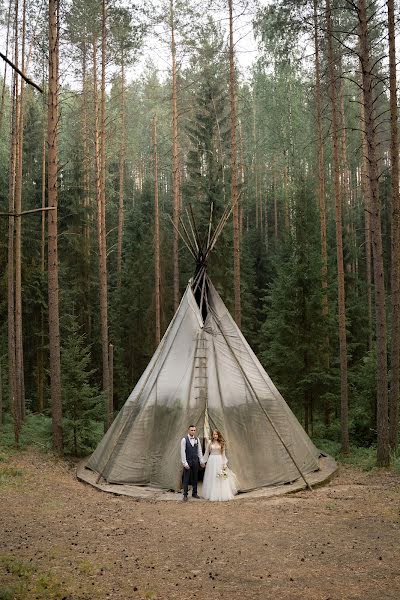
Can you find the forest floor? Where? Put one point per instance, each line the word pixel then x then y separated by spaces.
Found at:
pixel 63 540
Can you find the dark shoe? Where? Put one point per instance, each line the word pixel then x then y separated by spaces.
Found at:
pixel 185 498
pixel 196 496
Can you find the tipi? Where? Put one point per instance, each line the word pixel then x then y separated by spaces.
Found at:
pixel 204 373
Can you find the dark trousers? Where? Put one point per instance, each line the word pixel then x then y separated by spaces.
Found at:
pixel 194 470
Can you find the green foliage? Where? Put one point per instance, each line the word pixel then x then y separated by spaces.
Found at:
pixel 327 446
pixel 126 31
pixel 396 462
pixel 255 273
pixel 7 593
pixel 362 425
pixel 293 332
pixel 36 432
pixel 361 457
pixel 132 323
pixel 280 24
pixel 25 581
pixel 208 129
pixel 82 402
pixel 9 475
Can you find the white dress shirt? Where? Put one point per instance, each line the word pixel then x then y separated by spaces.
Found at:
pixel 192 440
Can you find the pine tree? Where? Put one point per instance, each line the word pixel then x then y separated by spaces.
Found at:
pixel 52 140
pixel 370 124
pixel 208 127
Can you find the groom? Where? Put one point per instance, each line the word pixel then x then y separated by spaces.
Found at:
pixel 192 458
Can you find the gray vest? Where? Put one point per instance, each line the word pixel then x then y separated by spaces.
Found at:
pixel 191 451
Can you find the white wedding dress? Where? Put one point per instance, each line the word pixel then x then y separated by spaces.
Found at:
pixel 216 487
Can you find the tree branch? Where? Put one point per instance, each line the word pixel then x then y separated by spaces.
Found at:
pixel 8 61
pixel 26 212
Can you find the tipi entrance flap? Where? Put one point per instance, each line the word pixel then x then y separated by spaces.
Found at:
pixel 193 305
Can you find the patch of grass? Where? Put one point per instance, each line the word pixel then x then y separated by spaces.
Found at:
pixel 327 446
pixel 10 475
pixel 396 462
pixel 86 567
pixel 25 582
pixel 7 593
pixel 49 585
pixel 14 566
pixel 36 431
pixel 364 458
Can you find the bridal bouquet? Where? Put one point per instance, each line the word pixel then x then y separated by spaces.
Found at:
pixel 223 473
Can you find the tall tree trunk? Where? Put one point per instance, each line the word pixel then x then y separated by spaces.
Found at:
pixel 12 376
pixel 41 350
pixel 86 190
pixel 322 202
pixel 287 200
pixel 1 396
pixel 98 178
pixel 261 206
pixel 98 182
pixel 255 164
pixel 383 455
pixel 18 230
pixel 175 160
pixel 234 191
pixel 52 135
pixel 366 191
pixel 43 215
pixel 3 89
pixel 156 236
pixel 121 176
pixel 346 182
pixel 111 374
pixel 242 177
pixel 273 188
pixel 97 158
pixel 321 172
pixel 266 220
pixel 395 258
pixel 102 227
pixel 276 223
pixel 339 239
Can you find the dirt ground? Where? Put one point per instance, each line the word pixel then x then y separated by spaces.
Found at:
pixel 62 539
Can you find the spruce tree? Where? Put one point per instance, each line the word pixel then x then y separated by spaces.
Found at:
pixel 82 402
pixel 293 329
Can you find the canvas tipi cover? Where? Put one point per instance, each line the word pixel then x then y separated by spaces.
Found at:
pixel 204 373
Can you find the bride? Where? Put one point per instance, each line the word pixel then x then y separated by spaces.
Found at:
pixel 219 482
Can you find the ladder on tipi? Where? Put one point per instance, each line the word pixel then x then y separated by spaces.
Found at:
pixel 200 376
